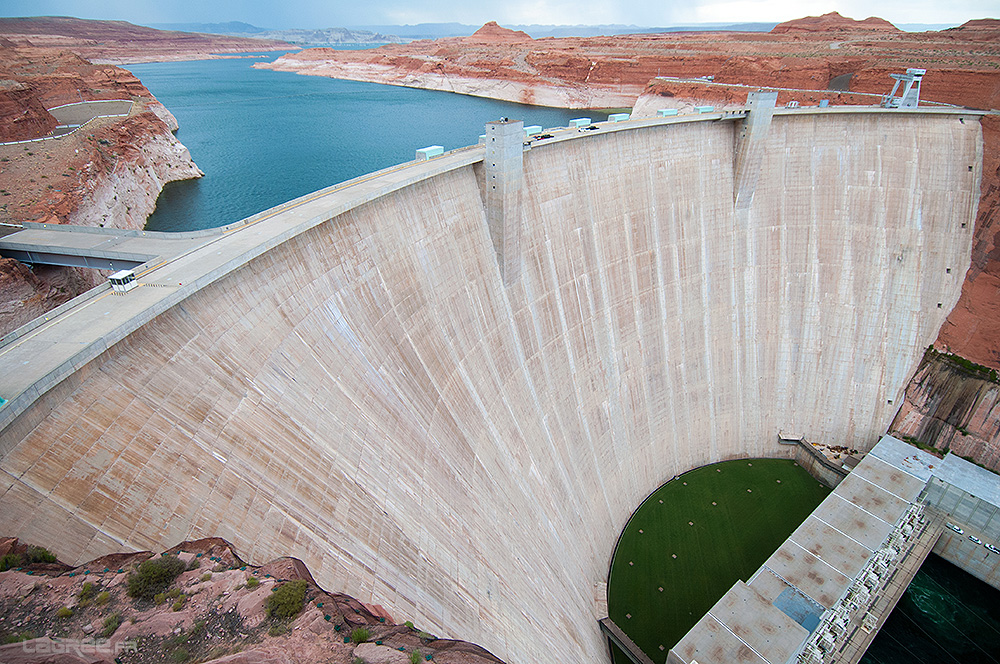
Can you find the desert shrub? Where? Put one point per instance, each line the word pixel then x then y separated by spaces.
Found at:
pixel 277 630
pixel 174 593
pixel 87 593
pixel 159 598
pixel 102 598
pixel 360 634
pixel 180 655
pixel 39 554
pixel 253 582
pixel 194 564
pixel 358 660
pixel 15 637
pixel 64 612
pixel 409 624
pixel 10 561
pixel 415 657
pixel 111 624
pixel 287 600
pixel 179 604
pixel 207 576
pixel 154 576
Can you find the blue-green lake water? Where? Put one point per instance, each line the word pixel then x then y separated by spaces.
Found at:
pixel 264 137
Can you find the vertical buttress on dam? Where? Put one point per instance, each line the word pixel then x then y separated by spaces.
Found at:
pixel 461 439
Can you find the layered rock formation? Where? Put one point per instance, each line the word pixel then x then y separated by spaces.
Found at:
pixel 215 611
pixel 120 42
pixel 22 113
pixel 953 405
pixel 494 62
pixel 834 22
pixel 108 173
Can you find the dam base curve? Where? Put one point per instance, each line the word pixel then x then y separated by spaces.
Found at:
pixel 350 379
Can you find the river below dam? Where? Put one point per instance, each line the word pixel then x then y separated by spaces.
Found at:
pixel 946 615
pixel 265 137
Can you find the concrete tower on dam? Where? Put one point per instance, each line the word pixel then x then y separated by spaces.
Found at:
pixel 352 379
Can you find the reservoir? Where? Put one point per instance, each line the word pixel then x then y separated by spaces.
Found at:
pixel 265 137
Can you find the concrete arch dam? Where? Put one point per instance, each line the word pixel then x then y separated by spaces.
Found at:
pixel 354 382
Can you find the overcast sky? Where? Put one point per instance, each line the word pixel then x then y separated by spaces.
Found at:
pixel 648 13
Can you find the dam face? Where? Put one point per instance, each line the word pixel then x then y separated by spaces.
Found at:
pixel 370 397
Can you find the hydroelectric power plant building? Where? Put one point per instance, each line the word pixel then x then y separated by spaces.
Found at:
pixel 446 386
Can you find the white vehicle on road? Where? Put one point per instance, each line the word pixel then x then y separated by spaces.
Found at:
pixel 956 528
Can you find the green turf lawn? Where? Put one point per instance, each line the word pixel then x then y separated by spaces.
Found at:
pixel 728 541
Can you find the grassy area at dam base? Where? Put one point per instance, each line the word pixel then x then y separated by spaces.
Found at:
pixel 694 537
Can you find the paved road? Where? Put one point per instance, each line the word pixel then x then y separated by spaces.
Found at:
pixel 85 111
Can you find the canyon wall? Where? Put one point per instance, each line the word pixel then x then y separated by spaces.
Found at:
pixel 953 406
pixel 109 172
pixel 111 175
pixel 557 93
pixel 369 397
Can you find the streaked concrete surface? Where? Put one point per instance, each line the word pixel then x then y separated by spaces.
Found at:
pixel 347 379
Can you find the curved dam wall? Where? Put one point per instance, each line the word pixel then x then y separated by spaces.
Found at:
pixel 369 397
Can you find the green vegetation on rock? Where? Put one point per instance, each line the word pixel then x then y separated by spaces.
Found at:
pixel 111 624
pixel 287 600
pixel 154 576
pixel 970 367
pixel 34 554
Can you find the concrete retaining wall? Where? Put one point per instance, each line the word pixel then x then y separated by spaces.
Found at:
pixel 368 396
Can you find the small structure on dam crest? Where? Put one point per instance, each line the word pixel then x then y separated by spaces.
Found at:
pixel 504 166
pixel 911 90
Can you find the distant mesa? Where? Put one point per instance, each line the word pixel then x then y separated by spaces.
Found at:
pixel 990 25
pixel 834 22
pixel 492 32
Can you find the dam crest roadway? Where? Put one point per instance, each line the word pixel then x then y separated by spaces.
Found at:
pixel 353 380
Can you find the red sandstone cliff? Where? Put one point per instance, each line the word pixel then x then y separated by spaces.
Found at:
pixel 107 173
pixel 834 22
pixel 214 611
pixel 951 406
pixel 22 113
pixel 119 42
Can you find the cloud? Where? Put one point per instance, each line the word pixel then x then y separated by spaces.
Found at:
pixel 323 13
pixel 895 11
